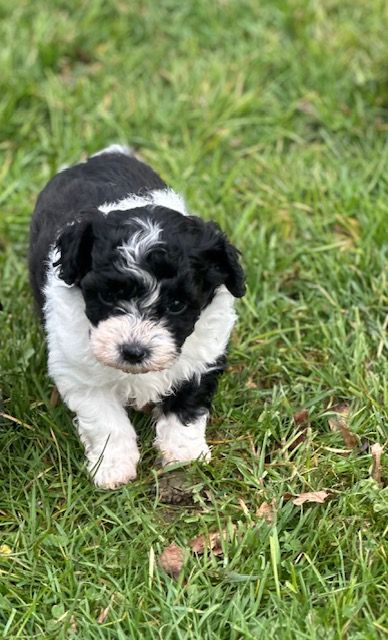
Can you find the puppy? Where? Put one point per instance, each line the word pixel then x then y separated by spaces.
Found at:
pixel 137 301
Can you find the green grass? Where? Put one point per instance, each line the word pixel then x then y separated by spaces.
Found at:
pixel 271 117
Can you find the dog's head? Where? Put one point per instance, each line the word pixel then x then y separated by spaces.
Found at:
pixel 145 275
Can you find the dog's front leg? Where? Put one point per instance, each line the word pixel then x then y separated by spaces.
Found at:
pixel 106 433
pixel 180 441
pixel 182 418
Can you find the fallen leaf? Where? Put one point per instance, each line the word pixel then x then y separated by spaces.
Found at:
pixel 266 511
pixel 310 496
pixel 301 417
pixel 210 542
pixel 102 616
pixel 250 384
pixel 338 423
pixel 55 398
pixel 376 451
pixel 73 624
pixel 171 560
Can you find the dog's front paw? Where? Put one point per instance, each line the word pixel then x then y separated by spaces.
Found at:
pixel 178 442
pixel 114 468
pixel 185 452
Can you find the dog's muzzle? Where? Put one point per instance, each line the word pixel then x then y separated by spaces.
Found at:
pixel 133 344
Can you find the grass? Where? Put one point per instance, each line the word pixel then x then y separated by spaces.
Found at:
pixel 271 117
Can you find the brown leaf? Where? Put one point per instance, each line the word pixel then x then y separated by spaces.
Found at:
pixel 339 424
pixel 210 542
pixel 73 624
pixel 376 451
pixel 171 560
pixel 102 616
pixel 266 511
pixel 310 496
pixel 55 398
pixel 250 384
pixel 301 417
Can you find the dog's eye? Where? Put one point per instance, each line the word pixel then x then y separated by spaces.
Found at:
pixel 176 306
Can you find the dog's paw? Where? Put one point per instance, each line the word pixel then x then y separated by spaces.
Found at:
pixel 185 452
pixel 114 469
pixel 181 443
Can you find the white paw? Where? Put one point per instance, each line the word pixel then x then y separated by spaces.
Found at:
pixel 181 443
pixel 114 468
pixel 186 453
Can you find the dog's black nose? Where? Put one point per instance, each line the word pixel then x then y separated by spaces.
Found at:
pixel 134 353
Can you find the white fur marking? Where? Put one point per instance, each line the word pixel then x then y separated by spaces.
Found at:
pixel 110 335
pixel 158 197
pixel 115 148
pixel 132 251
pixel 181 443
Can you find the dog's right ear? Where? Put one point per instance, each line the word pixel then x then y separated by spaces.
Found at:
pixel 75 245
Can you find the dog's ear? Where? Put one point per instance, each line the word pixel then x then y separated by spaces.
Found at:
pixel 75 245
pixel 218 260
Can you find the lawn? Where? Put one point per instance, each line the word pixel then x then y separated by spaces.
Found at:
pixel 271 118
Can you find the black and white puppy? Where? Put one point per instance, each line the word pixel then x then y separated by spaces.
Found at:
pixel 137 300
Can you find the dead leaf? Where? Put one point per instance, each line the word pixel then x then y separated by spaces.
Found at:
pixel 266 511
pixel 310 496
pixel 171 560
pixel 102 616
pixel 210 542
pixel 73 624
pixel 301 417
pixel 54 397
pixel 338 423
pixel 250 384
pixel 376 451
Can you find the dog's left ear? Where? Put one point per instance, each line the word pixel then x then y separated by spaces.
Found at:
pixel 219 261
pixel 75 245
